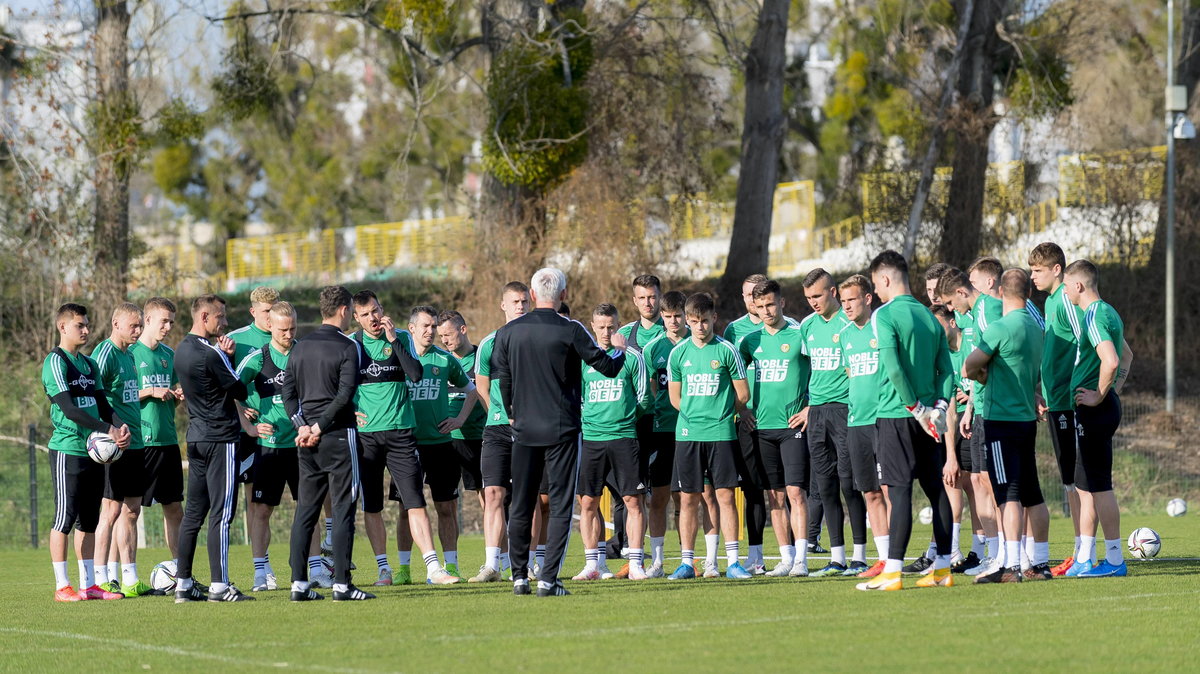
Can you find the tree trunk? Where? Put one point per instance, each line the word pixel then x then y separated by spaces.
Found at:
pixel 962 230
pixel 763 127
pixel 114 126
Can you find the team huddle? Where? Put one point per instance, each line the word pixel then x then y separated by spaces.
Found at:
pixel 834 417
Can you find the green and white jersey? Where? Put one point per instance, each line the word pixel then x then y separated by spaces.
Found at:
pixel 118 373
pixel 156 369
pixel 986 310
pixel 919 343
pixel 957 358
pixel 496 416
pixel 431 395
pixel 860 358
pixel 267 387
pixel 644 335
pixel 737 330
pixel 247 339
pixel 612 405
pixel 1101 323
pixel 780 374
pixel 656 355
pixel 1015 344
pixel 382 395
pixel 1063 326
pixel 708 404
pixel 79 376
pixel 822 338
pixel 473 429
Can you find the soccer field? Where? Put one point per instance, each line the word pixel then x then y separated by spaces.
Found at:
pixel 1150 620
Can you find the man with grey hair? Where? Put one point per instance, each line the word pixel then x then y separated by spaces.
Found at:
pixel 538 360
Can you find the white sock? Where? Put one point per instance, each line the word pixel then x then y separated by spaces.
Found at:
pixel 492 558
pixel 87 574
pixel 636 555
pixel 1041 552
pixel 299 586
pixel 405 557
pixel 839 554
pixel 129 574
pixel 893 566
pixel 382 562
pixel 451 556
pixel 329 532
pixel 1112 551
pixel 689 557
pixel 1030 553
pixel 602 556
pixel 314 565
pixel 941 562
pixel 710 548
pixel 881 546
pixel 590 555
pixel 801 553
pixel 1076 553
pixel 656 545
pixel 114 570
pixel 341 587
pixel 955 532
pixel 788 552
pixel 260 567
pixel 931 551
pixel 101 574
pixel 217 588
pixel 431 562
pixel 532 558
pixel 979 545
pixel 545 585
pixel 755 556
pixel 993 547
pixel 539 555
pixel 731 552
pixel 1012 554
pixel 860 553
pixel 505 563
pixel 1087 549
pixel 61 579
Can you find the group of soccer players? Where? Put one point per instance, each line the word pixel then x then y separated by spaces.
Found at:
pixel 834 415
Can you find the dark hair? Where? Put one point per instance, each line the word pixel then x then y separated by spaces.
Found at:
pixel 606 309
pixel 158 303
pixel 699 305
pixel 1048 254
pixel 332 299
pixel 673 302
pixel 951 281
pixel 564 309
pixel 451 316
pixel 767 287
pixel 432 312
pixel 364 297
pixel 205 302
pixel 987 265
pixel 1086 269
pixel 936 270
pixel 1015 283
pixel 647 281
pixel 816 275
pixel 70 310
pixel 755 279
pixel 889 259
pixel 858 281
pixel 943 312
pixel 515 287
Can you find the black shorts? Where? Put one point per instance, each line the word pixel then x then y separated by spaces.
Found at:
pixel 126 477
pixel 78 484
pixel 962 447
pixel 784 453
pixel 620 456
pixel 247 455
pixel 751 473
pixel 1012 463
pixel 863 464
pixel 164 475
pixel 274 468
pixel 1062 436
pixel 1094 430
pixel 495 456
pixel 904 451
pixel 397 451
pixel 469 451
pixel 694 461
pixel 827 440
pixel 978 442
pixel 442 473
pixel 544 485
pixel 660 458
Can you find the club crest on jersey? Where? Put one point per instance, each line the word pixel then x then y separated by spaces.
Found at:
pixel 874 343
pixel 836 338
pixel 785 347
pixel 436 370
pixel 387 352
pixel 714 364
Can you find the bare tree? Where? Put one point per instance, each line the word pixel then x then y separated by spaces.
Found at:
pixel 115 120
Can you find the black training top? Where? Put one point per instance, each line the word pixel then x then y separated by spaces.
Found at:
pixel 209 388
pixel 320 380
pixel 536 359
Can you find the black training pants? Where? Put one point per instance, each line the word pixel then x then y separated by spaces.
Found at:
pixel 212 493
pixel 561 463
pixel 330 467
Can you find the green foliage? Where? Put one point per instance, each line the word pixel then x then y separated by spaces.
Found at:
pixel 246 86
pixel 117 130
pixel 172 169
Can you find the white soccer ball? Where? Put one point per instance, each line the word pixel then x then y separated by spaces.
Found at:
pixel 1144 543
pixel 102 448
pixel 1176 507
pixel 162 577
pixel 926 515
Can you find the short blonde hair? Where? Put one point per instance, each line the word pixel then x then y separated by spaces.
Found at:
pixel 282 308
pixel 127 309
pixel 264 295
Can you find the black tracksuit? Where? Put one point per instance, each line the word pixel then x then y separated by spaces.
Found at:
pixel 318 389
pixel 537 360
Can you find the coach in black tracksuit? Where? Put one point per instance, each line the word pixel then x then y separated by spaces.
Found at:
pixel 537 359
pixel 318 393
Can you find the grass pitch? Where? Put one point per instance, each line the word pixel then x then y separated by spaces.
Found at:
pixel 1150 618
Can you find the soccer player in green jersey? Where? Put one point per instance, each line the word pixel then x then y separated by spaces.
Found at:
pixel 1101 367
pixel 610 412
pixel 496 454
pixel 781 375
pixel 159 394
pixel 468 440
pixel 1063 325
pixel 431 407
pixel 78 408
pixel 860 359
pixel 707 384
pixel 910 420
pixel 1008 357
pixel 828 393
pixel 932 276
pixel 125 478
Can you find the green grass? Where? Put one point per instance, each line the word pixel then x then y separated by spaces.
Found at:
pixel 703 625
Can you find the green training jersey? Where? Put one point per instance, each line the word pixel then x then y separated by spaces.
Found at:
pixel 496 416
pixel 860 359
pixel 780 377
pixel 737 330
pixel 1063 321
pixel 118 372
pixel 268 396
pixel 612 405
pixel 248 339
pixel 1015 344
pixel 473 429
pixel 919 343
pixel 656 355
pixel 1101 323
pixel 957 358
pixel 431 395
pixel 79 376
pixel 985 311
pixel 156 369
pixel 382 396
pixel 644 335
pixel 708 404
pixel 822 338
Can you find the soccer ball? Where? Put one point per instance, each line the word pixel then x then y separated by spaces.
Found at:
pixel 1176 507
pixel 162 577
pixel 926 515
pixel 1144 543
pixel 102 448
